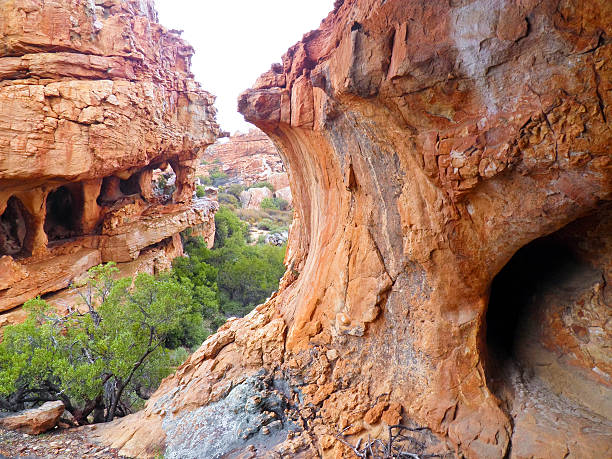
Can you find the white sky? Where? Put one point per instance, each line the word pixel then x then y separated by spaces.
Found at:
pixel 235 41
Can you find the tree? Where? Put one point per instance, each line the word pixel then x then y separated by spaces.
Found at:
pixel 227 226
pixel 99 360
pixel 274 203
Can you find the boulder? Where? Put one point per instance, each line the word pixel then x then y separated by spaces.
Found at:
pixel 278 180
pixel 35 421
pixel 252 198
pixel 285 193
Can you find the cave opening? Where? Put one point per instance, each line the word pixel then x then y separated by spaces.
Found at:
pixel 63 216
pixel 163 182
pixel 131 185
pixel 535 269
pixel 16 226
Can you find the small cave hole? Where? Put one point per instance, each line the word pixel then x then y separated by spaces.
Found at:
pixel 163 182
pixel 130 186
pixel 64 209
pixel 541 265
pixel 16 225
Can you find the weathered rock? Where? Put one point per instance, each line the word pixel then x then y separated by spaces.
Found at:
pixel 426 144
pixel 277 238
pixel 279 180
pixel 35 421
pixel 246 158
pixel 284 193
pixel 94 96
pixel 252 198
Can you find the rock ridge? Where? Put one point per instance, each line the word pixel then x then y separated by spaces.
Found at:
pixel 94 96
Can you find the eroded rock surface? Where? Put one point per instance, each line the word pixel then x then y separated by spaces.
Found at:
pixel 426 143
pixel 36 420
pixel 246 158
pixel 94 96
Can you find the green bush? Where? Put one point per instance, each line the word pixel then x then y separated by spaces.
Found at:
pixel 274 203
pixel 241 276
pixel 217 177
pixel 200 191
pixel 205 180
pixel 268 203
pixel 101 360
pixel 266 224
pixel 267 185
pixel 235 189
pixel 228 199
pixel 228 226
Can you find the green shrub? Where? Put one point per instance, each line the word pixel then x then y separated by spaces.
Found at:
pixel 228 199
pixel 200 191
pixel 218 177
pixel 274 203
pixel 266 224
pixel 205 180
pixel 268 203
pixel 235 189
pixel 101 360
pixel 267 185
pixel 242 276
pixel 228 226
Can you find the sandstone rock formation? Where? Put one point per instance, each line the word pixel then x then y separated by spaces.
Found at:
pixel 246 158
pixel 94 96
pixel 450 264
pixel 252 198
pixel 35 421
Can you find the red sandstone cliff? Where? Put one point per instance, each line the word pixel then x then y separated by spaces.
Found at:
pixel 247 158
pixel 93 97
pixel 426 143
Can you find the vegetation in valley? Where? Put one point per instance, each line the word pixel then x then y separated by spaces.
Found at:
pixel 104 359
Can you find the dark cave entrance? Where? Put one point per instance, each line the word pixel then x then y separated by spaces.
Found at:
pixel 543 264
pixel 130 186
pixel 64 210
pixel 16 226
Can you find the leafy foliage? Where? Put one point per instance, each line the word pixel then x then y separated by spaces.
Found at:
pixel 235 189
pixel 218 177
pixel 228 226
pixel 205 180
pixel 100 360
pixel 274 203
pixel 200 191
pixel 228 199
pixel 241 276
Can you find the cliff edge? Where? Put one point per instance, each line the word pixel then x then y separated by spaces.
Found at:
pixel 94 96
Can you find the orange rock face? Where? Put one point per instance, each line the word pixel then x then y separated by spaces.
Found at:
pixel 93 97
pixel 451 259
pixel 247 158
pixel 35 421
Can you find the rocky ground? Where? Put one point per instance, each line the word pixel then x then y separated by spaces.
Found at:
pixel 64 443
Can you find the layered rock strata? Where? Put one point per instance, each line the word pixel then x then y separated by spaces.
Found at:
pixel 247 158
pixel 94 96
pixel 450 264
